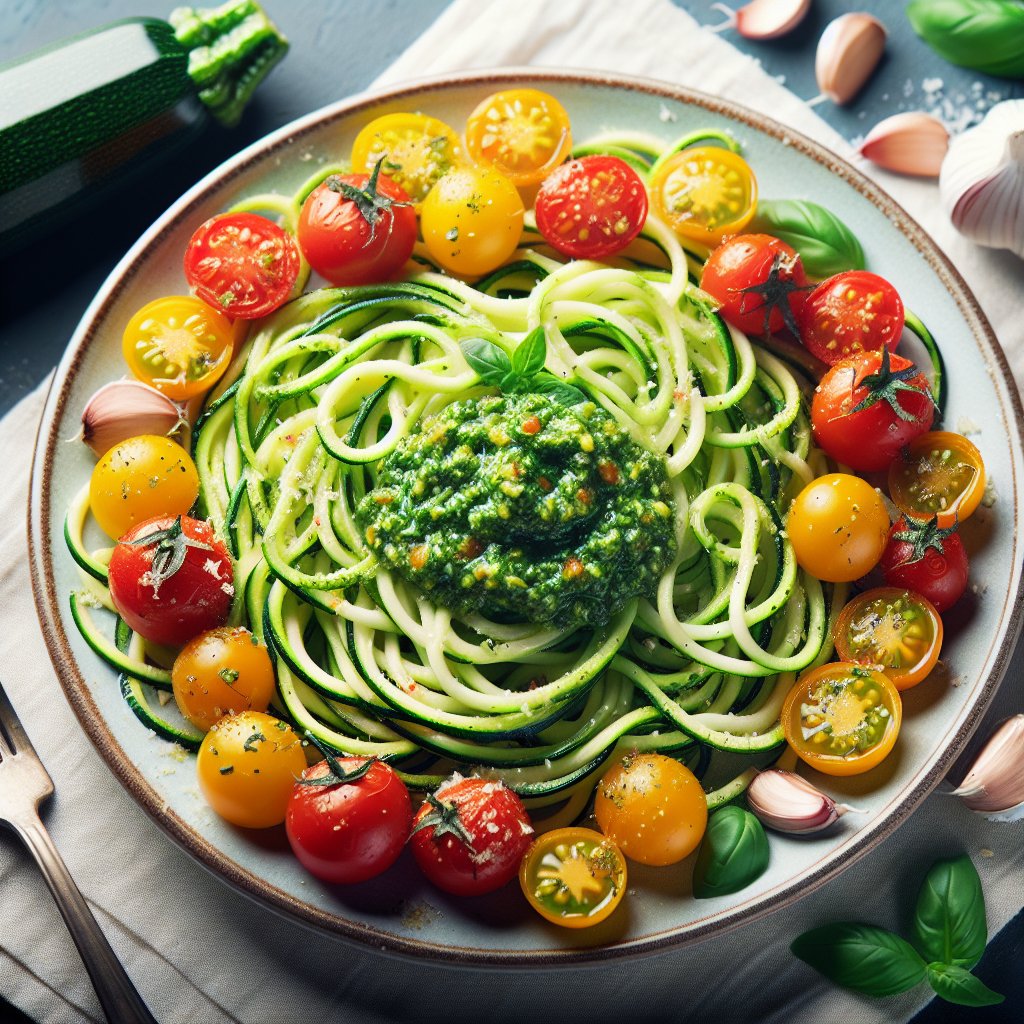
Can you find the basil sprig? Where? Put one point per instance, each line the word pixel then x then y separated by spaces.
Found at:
pixel 522 372
pixel 825 244
pixel 950 932
pixel 984 35
pixel 733 853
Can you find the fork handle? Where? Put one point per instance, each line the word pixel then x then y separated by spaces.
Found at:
pixel 119 998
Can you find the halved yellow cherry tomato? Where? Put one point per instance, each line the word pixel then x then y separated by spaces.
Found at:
pixel 524 133
pixel 179 345
pixel 653 807
pixel 938 474
pixel 574 877
pixel 893 630
pixel 417 150
pixel 842 718
pixel 704 193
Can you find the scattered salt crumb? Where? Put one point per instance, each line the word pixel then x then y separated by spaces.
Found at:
pixel 417 915
pixel 989 497
pixel 665 115
pixel 966 426
pixel 986 853
pixel 163 698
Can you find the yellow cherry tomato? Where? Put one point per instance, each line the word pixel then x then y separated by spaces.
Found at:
pixel 653 807
pixel 938 474
pixel 220 672
pixel 704 193
pixel 247 765
pixel 472 220
pixel 574 877
pixel 838 527
pixel 523 133
pixel 842 718
pixel 179 345
pixel 417 150
pixel 139 479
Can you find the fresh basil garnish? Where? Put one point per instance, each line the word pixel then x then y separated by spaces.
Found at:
pixel 733 853
pixel 984 35
pixel 529 355
pixel 949 924
pixel 825 244
pixel 490 361
pixel 958 985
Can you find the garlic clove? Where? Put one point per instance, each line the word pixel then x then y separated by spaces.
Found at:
pixel 764 19
pixel 788 803
pixel 126 408
pixel 911 143
pixel 848 52
pixel 995 784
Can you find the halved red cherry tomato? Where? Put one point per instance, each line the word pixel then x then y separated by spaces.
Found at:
pixel 171 579
pixel 469 836
pixel 868 407
pixel 348 818
pixel 179 344
pixel 852 312
pixel 841 718
pixel 574 877
pixel 591 207
pixel 704 193
pixel 893 630
pixel 523 133
pixel 928 559
pixel 938 474
pixel 653 807
pixel 242 263
pixel 759 283
pixel 355 229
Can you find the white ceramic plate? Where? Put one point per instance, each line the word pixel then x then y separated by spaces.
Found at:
pixel 399 911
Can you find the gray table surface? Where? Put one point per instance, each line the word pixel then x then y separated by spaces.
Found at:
pixel 324 67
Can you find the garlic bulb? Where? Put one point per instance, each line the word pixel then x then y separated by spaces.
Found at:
pixel 787 802
pixel 995 784
pixel 910 143
pixel 123 409
pixel 848 52
pixel 982 180
pixel 764 19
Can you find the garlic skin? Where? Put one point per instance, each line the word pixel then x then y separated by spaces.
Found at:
pixel 982 181
pixel 848 52
pixel 912 143
pixel 787 802
pixel 764 19
pixel 995 784
pixel 123 409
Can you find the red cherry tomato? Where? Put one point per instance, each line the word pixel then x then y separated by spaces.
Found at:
pixel 171 579
pixel 355 229
pixel 759 282
pixel 348 819
pixel 928 559
pixel 242 264
pixel 852 312
pixel 470 835
pixel 591 207
pixel 855 416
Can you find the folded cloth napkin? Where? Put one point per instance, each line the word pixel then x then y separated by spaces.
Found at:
pixel 201 952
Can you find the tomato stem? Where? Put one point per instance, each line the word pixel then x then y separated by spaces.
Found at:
pixel 885 386
pixel 336 774
pixel 371 204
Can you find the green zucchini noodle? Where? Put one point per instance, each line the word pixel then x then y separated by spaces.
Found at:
pixel 323 390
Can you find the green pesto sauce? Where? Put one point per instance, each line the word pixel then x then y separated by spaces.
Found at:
pixel 522 509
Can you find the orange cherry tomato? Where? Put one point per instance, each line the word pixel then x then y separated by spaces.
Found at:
pixel 893 630
pixel 842 718
pixel 938 474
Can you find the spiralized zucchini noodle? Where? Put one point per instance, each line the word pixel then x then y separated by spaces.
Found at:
pixel 322 391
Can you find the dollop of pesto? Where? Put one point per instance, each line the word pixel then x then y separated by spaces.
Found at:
pixel 522 509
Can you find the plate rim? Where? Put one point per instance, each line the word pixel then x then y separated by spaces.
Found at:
pixel 77 693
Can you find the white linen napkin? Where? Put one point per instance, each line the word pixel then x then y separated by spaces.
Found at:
pixel 199 951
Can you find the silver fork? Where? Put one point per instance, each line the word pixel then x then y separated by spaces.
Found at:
pixel 24 784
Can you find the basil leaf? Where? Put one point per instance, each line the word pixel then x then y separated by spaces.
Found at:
pixel 733 853
pixel 957 985
pixel 490 362
pixel 949 922
pixel 984 35
pixel 529 355
pixel 826 245
pixel 564 394
pixel 862 957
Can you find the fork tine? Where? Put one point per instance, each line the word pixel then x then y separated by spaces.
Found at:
pixel 12 734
